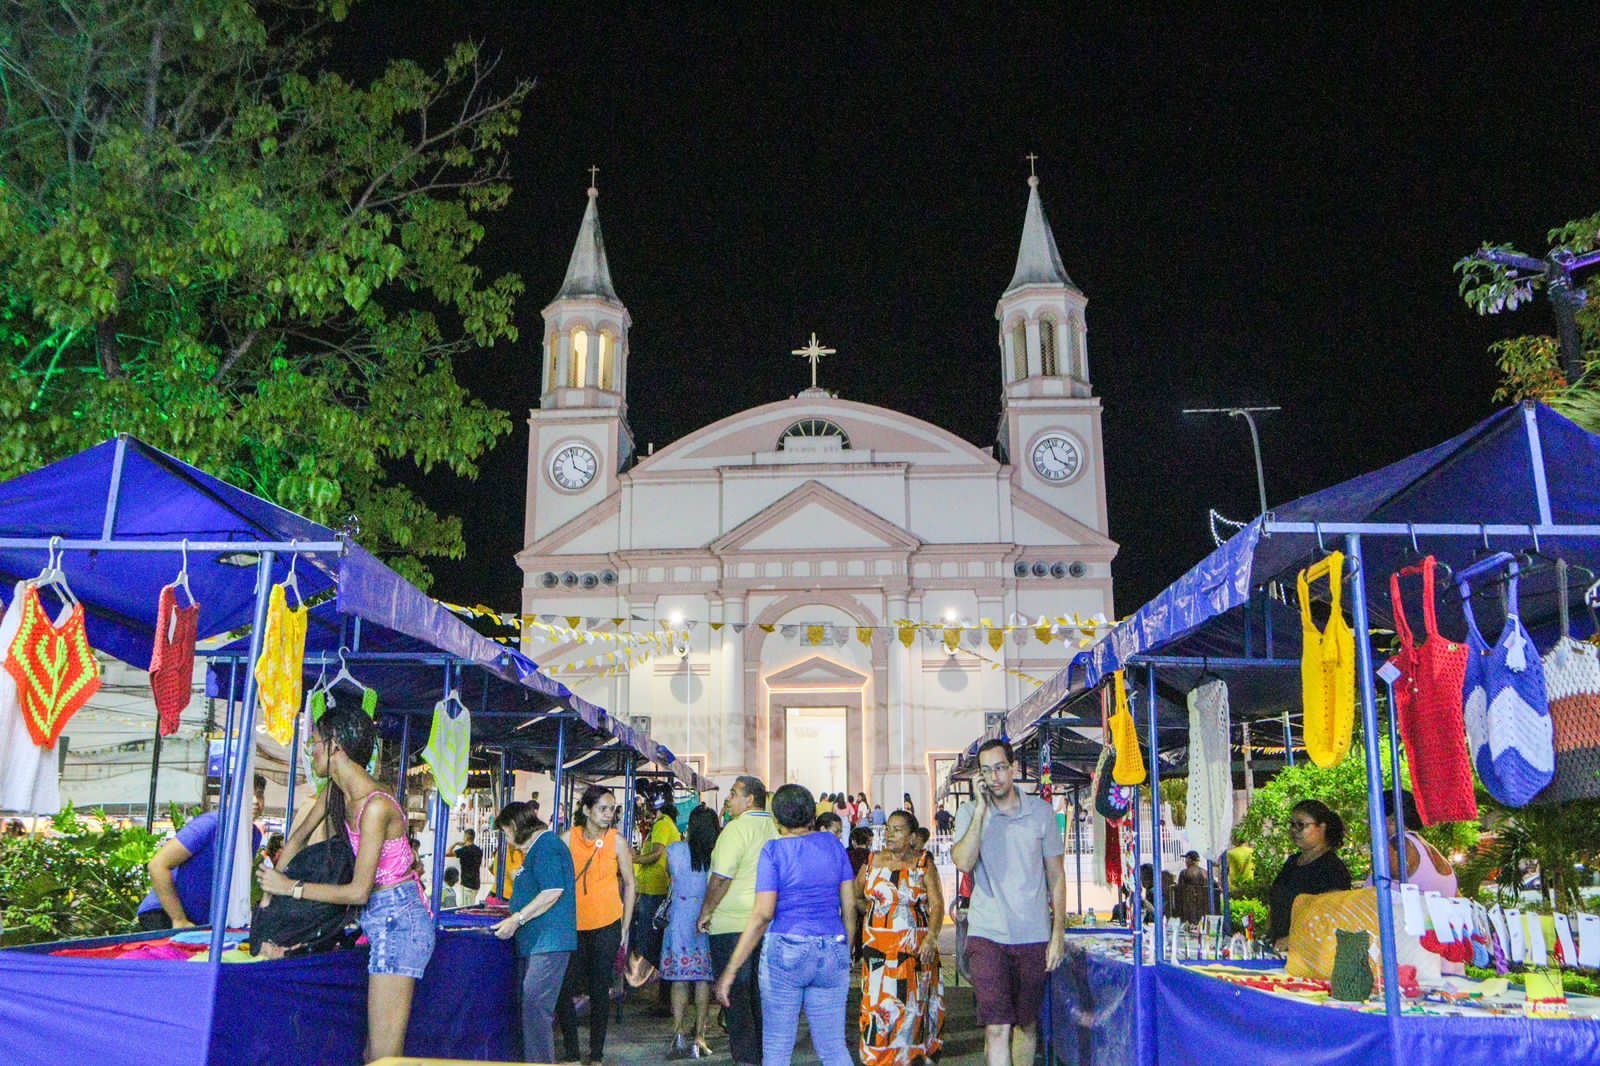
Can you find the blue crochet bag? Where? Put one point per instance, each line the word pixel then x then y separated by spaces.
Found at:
pixel 1509 732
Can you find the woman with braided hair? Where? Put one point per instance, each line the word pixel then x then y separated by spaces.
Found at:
pixel 394 914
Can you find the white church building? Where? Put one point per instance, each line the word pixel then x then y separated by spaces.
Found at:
pixel 788 550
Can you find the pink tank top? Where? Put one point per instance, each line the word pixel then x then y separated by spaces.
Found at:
pixel 395 859
pixel 1426 877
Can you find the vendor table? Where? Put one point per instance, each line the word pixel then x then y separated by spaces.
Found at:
pixel 291 1012
pixel 1105 1011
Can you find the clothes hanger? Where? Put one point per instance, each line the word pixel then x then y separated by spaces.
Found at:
pixel 291 583
pixel 53 577
pixel 454 696
pixel 345 675
pixel 182 580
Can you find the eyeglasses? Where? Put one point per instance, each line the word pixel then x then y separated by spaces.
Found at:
pixel 1301 827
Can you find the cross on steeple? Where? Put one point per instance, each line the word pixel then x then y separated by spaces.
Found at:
pixel 1032 157
pixel 813 352
pixel 592 172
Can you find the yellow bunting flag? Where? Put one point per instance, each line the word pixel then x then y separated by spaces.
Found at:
pixel 864 635
pixel 908 635
pixel 952 639
pixel 997 639
pixel 1044 632
pixel 813 635
pixel 765 628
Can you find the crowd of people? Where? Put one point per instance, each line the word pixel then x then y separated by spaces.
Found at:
pixel 767 911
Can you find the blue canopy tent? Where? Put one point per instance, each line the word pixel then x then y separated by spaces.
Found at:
pixel 122 518
pixel 1524 479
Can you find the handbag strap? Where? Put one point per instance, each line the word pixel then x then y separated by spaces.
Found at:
pixel 1332 568
pixel 1430 617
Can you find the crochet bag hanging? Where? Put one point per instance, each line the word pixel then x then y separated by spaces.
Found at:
pixel 1327 667
pixel 1210 770
pixel 1111 800
pixel 1572 682
pixel 1129 766
pixel 1504 701
pixel 1427 700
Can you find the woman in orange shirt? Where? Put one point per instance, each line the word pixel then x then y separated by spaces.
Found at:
pixel 603 863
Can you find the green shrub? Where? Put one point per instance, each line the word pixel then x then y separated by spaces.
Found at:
pixel 80 882
pixel 1238 909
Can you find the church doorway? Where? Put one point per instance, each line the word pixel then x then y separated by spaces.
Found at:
pixel 818 743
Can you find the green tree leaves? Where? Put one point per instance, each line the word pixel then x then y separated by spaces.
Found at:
pixel 209 242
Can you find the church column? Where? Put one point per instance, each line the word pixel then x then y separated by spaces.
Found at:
pixel 728 755
pixel 563 360
pixel 902 661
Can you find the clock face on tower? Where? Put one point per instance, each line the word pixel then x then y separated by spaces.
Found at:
pixel 573 466
pixel 1057 457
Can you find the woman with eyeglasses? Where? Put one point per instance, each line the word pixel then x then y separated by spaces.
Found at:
pixel 1317 831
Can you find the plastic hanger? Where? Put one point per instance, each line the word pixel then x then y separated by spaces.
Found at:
pixel 182 580
pixel 345 675
pixel 453 696
pixel 53 577
pixel 292 584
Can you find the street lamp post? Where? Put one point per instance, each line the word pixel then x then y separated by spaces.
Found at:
pixel 1248 414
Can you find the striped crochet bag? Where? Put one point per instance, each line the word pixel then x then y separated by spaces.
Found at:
pixel 1507 711
pixel 1572 681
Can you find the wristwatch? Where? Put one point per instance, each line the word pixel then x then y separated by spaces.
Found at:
pixel 299 889
pixel 522 919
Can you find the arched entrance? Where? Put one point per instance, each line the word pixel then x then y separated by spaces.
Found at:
pixel 814 715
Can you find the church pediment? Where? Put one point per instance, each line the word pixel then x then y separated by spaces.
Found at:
pixel 814 517
pixel 816 672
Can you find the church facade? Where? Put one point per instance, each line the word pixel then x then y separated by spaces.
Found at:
pixel 813 589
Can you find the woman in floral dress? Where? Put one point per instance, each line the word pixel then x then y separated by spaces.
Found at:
pixel 902 999
pixel 686 952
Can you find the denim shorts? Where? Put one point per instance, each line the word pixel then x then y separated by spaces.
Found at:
pixel 399 931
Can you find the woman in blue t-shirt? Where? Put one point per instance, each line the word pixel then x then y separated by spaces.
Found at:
pixel 544 919
pixel 805 892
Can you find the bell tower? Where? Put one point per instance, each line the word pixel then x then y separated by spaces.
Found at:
pixel 579 439
pixel 1049 419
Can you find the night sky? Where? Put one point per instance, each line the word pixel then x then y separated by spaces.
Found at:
pixel 1260 210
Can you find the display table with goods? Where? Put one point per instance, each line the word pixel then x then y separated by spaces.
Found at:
pixel 105 532
pixel 1276 630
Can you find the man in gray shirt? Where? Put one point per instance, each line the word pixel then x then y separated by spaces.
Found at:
pixel 1011 845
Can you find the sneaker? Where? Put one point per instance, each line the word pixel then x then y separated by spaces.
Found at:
pixel 681 1049
pixel 702 1050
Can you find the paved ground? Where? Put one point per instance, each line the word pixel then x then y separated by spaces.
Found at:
pixel 645 1032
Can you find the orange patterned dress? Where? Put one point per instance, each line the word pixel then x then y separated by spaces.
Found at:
pixel 902 1001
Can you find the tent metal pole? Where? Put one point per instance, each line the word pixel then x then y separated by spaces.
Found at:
pixel 1370 741
pixel 236 792
pixel 628 772
pixel 224 774
pixel 108 544
pixel 507 790
pixel 558 801
pixel 1138 882
pixel 155 774
pixel 294 774
pixel 441 826
pixel 1077 841
pixel 115 490
pixel 401 777
pixel 1155 818
pixel 1394 778
pixel 1288 739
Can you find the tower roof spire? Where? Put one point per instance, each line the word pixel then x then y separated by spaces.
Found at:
pixel 1038 258
pixel 588 274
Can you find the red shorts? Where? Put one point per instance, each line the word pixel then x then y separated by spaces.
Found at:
pixel 1008 980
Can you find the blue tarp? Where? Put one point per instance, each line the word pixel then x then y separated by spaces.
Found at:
pixel 1523 467
pixel 288 1011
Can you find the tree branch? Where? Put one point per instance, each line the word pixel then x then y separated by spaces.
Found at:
pixel 238 352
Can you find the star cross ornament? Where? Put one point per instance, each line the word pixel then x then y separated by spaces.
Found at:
pixel 814 352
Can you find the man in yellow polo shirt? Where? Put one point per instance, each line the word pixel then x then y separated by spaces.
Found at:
pixel 730 897
pixel 650 873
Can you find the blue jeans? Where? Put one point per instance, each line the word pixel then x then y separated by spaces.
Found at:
pixel 809 972
pixel 542 975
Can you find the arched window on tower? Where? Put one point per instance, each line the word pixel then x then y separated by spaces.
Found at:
pixel 1019 350
pixel 578 376
pixel 608 358
pixel 1075 348
pixel 553 378
pixel 1047 346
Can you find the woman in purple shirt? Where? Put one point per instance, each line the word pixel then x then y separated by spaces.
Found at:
pixel 805 892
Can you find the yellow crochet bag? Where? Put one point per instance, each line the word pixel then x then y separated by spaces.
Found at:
pixel 1129 767
pixel 1327 667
